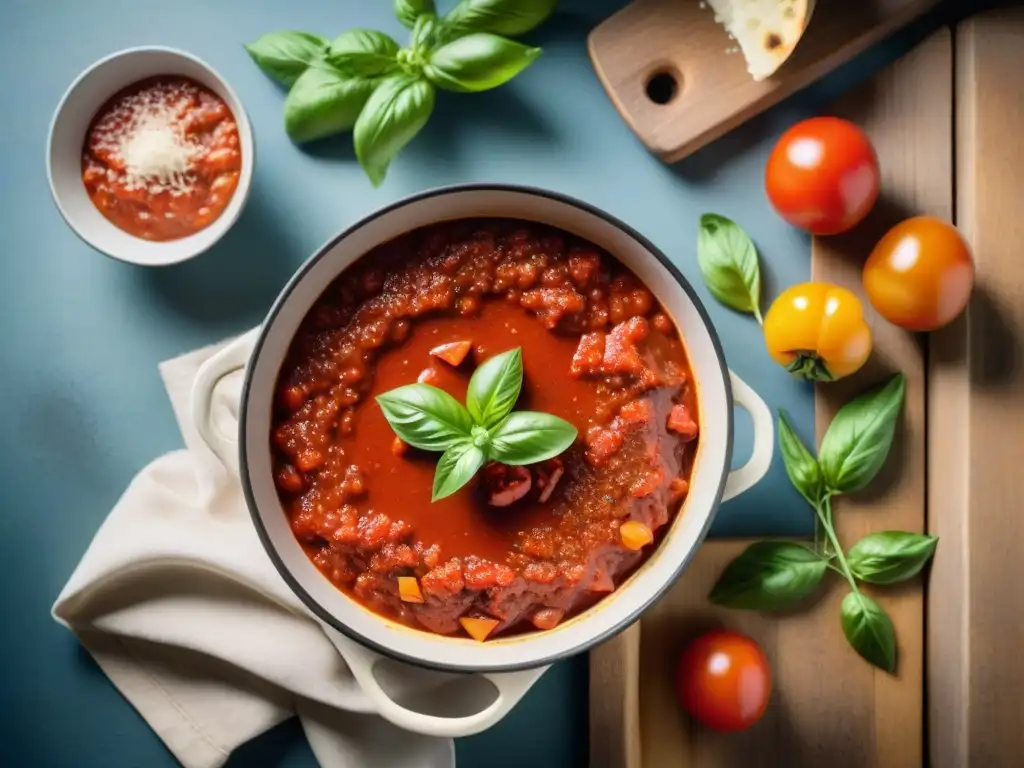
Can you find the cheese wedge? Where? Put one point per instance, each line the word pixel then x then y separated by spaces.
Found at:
pixel 766 31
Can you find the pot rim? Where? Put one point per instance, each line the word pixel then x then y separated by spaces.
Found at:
pixel 250 499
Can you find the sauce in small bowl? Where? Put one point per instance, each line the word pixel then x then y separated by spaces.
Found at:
pixel 162 158
pixel 150 156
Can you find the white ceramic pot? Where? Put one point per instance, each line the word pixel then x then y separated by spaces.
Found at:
pixel 512 664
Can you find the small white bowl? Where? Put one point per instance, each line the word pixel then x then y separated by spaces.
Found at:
pixel 79 105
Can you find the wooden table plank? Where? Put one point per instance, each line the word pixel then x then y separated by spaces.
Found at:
pixel 976 411
pixel 907 111
pixel 830 708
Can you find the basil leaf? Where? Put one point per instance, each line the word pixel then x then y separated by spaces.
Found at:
pixel 859 438
pixel 500 17
pixel 408 11
pixel 323 102
pixel 869 630
pixel 801 466
pixel 286 55
pixel 395 112
pixel 478 62
pixel 728 262
pixel 363 53
pixel 423 34
pixel 457 466
pixel 889 557
pixel 526 437
pixel 426 417
pixel 494 387
pixel 767 576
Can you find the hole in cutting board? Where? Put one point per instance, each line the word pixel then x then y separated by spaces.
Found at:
pixel 663 86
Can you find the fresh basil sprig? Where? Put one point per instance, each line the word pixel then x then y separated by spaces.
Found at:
pixel 728 261
pixel 486 429
pixel 365 81
pixel 772 575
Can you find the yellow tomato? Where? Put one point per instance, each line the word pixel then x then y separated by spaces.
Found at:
pixel 817 331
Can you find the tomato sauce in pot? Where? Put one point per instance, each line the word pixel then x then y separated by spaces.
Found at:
pixel 598 351
pixel 162 158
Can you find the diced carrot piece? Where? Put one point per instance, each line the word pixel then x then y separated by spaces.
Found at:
pixel 427 376
pixel 409 589
pixel 635 535
pixel 547 618
pixel 478 629
pixel 453 353
pixel 399 447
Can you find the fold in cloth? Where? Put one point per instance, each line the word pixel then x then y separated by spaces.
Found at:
pixel 182 609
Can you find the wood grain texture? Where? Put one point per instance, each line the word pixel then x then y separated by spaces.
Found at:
pixel 976 410
pixel 615 701
pixel 907 112
pixel 829 708
pixel 715 92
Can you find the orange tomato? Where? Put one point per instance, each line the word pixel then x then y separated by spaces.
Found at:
pixel 920 275
pixel 724 680
pixel 817 331
pixel 822 175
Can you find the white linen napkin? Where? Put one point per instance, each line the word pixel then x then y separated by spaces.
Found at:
pixel 181 607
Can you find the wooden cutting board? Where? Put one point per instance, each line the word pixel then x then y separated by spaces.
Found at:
pixel 829 707
pixel 673 51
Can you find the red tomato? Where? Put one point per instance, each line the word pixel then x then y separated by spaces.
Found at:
pixel 822 175
pixel 724 680
pixel 920 275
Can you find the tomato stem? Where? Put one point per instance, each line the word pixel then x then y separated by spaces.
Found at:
pixel 809 365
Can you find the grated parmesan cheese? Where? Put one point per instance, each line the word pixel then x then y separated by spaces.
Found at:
pixel 144 132
pixel 157 154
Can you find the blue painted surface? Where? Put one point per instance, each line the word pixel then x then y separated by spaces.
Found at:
pixel 82 406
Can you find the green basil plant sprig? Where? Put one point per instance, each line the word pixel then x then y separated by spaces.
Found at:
pixel 364 81
pixel 485 429
pixel 771 575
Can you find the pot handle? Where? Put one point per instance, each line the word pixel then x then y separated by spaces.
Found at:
pixel 750 474
pixel 511 687
pixel 229 359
